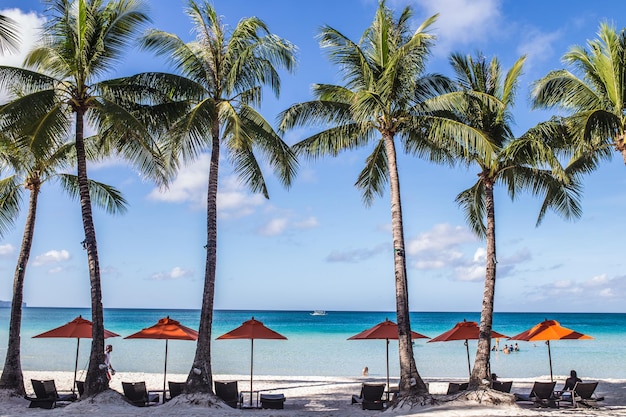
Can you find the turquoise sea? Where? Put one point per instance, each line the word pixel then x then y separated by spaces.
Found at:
pixel 318 345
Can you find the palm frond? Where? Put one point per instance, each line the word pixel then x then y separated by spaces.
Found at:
pixel 102 195
pixel 472 202
pixel 375 175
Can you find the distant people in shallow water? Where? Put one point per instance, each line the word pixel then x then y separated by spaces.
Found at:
pixel 516 348
pixel 366 371
pixel 505 350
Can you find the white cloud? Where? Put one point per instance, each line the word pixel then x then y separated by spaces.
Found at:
pixel 461 22
pixel 274 227
pixel 51 257
pixel 538 46
pixel 176 273
pixel 7 250
pixel 29 25
pixel 190 186
pixel 440 237
pixel 356 255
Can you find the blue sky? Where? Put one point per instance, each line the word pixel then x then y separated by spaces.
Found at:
pixel 316 246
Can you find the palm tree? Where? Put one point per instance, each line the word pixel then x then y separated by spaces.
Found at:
pixel 380 105
pixel 29 167
pixel 481 107
pixel 222 76
pixel 82 40
pixel 9 38
pixel 593 95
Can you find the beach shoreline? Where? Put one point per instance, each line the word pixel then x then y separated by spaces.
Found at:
pixel 306 396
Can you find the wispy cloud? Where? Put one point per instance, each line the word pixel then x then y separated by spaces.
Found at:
pixel 579 292
pixel 7 250
pixel 190 186
pixel 174 274
pixel 281 225
pixel 538 46
pixel 462 22
pixel 356 255
pixel 51 257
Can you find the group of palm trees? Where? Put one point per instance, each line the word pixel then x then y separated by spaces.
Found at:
pixel 160 121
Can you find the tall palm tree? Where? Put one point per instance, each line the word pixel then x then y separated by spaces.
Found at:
pixel 222 74
pixel 28 167
pixel 83 39
pixel 593 95
pixel 381 105
pixel 9 38
pixel 482 107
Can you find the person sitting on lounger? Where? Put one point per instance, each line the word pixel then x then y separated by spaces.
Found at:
pixel 571 381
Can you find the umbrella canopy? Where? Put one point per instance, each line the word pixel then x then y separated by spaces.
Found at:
pixel 385 330
pixel 464 330
pixel 549 330
pixel 168 329
pixel 79 328
pixel 252 329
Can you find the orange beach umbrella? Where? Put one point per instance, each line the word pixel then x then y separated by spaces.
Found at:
pixel 385 330
pixel 550 330
pixel 168 329
pixel 252 329
pixel 79 328
pixel 464 330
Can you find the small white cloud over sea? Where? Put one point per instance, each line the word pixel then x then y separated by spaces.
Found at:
pixel 51 257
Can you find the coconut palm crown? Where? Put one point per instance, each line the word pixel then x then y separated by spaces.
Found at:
pixel 592 95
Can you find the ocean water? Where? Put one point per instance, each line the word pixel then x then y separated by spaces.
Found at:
pixel 318 345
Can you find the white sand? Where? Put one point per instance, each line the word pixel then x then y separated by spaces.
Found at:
pixel 306 396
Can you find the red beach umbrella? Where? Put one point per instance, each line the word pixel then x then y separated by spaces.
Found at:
pixel 167 329
pixel 550 330
pixel 385 330
pixel 252 329
pixel 464 330
pixel 79 328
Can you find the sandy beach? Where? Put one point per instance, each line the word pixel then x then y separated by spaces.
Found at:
pixel 306 396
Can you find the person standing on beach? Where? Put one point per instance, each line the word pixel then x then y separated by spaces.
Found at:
pixel 107 361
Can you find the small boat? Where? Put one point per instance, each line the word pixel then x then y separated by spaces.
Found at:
pixel 318 313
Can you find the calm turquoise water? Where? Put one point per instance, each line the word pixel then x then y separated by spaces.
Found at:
pixel 318 345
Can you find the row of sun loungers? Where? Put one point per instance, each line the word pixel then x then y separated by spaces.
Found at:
pixel 542 394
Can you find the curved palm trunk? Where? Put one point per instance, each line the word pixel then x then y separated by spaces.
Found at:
pixel 12 377
pixel 203 381
pixel 410 379
pixel 482 369
pixel 96 380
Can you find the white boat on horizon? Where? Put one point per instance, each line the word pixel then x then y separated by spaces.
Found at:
pixel 318 313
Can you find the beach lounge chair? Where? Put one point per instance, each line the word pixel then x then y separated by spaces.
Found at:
pixel 136 393
pixel 541 394
pixel 46 395
pixel 371 396
pixel 273 401
pixel 502 386
pixel 582 394
pixel 176 388
pixel 228 392
pixel 80 386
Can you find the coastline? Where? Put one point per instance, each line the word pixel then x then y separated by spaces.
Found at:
pixel 306 396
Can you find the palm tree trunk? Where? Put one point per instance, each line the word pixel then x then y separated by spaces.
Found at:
pixel 96 380
pixel 482 369
pixel 203 381
pixel 410 379
pixel 12 377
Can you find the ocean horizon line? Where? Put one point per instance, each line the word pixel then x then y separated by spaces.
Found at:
pixel 326 311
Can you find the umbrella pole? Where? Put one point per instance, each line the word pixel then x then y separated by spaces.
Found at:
pixel 251 367
pixel 469 368
pixel 387 340
pixel 76 365
pixel 165 370
pixel 549 359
